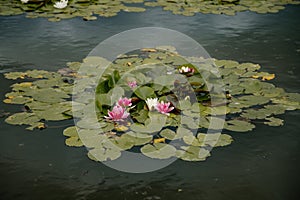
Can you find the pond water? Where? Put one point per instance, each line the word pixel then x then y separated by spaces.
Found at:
pixel 262 164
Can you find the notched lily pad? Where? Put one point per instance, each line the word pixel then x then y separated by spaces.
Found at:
pixel 192 153
pixel 273 121
pixel 159 150
pixel 73 140
pixel 103 154
pixel 239 125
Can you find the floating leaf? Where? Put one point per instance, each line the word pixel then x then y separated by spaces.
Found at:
pixel 156 123
pixel 144 92
pixel 272 121
pixel 159 150
pixel 17 100
pixel 192 153
pixel 73 140
pixel 224 140
pixel 195 141
pixel 268 77
pixel 238 126
pixel 48 95
pixel 123 143
pixel 255 113
pixel 137 138
pixel 103 154
pixel 22 118
pixel 168 134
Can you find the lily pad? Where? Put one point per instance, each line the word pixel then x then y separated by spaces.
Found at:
pixel 103 154
pixel 159 150
pixel 73 140
pixel 48 95
pixel 192 153
pixel 156 123
pixel 168 134
pixel 239 126
pixel 136 138
pixel 272 121
pixel 22 118
pixel 144 92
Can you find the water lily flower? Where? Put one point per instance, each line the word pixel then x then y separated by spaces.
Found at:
pixel 164 108
pixel 151 103
pixel 132 84
pixel 118 113
pixel 184 69
pixel 61 4
pixel 124 102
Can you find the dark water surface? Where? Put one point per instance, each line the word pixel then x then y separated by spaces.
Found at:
pixel 262 164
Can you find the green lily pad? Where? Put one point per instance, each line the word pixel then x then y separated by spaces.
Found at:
pixel 156 123
pixel 238 126
pixel 195 141
pixel 255 113
pixel 103 154
pixel 252 100
pixel 168 134
pixel 159 150
pixel 73 140
pixel 18 100
pixel 224 140
pixel 192 153
pixel 136 138
pixel 144 92
pixel 124 143
pixel 272 121
pixel 181 132
pixel 48 95
pixel 22 118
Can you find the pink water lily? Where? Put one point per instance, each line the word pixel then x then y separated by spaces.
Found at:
pixel 118 113
pixel 132 84
pixel 124 102
pixel 164 108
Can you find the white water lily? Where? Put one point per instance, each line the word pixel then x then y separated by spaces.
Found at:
pixel 184 69
pixel 151 103
pixel 61 4
pixel 24 1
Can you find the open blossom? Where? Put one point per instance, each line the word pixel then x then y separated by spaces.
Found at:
pixel 124 102
pixel 151 103
pixel 184 69
pixel 132 84
pixel 24 1
pixel 164 108
pixel 118 113
pixel 61 4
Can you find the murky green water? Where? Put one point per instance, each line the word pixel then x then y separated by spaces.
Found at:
pixel 262 164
